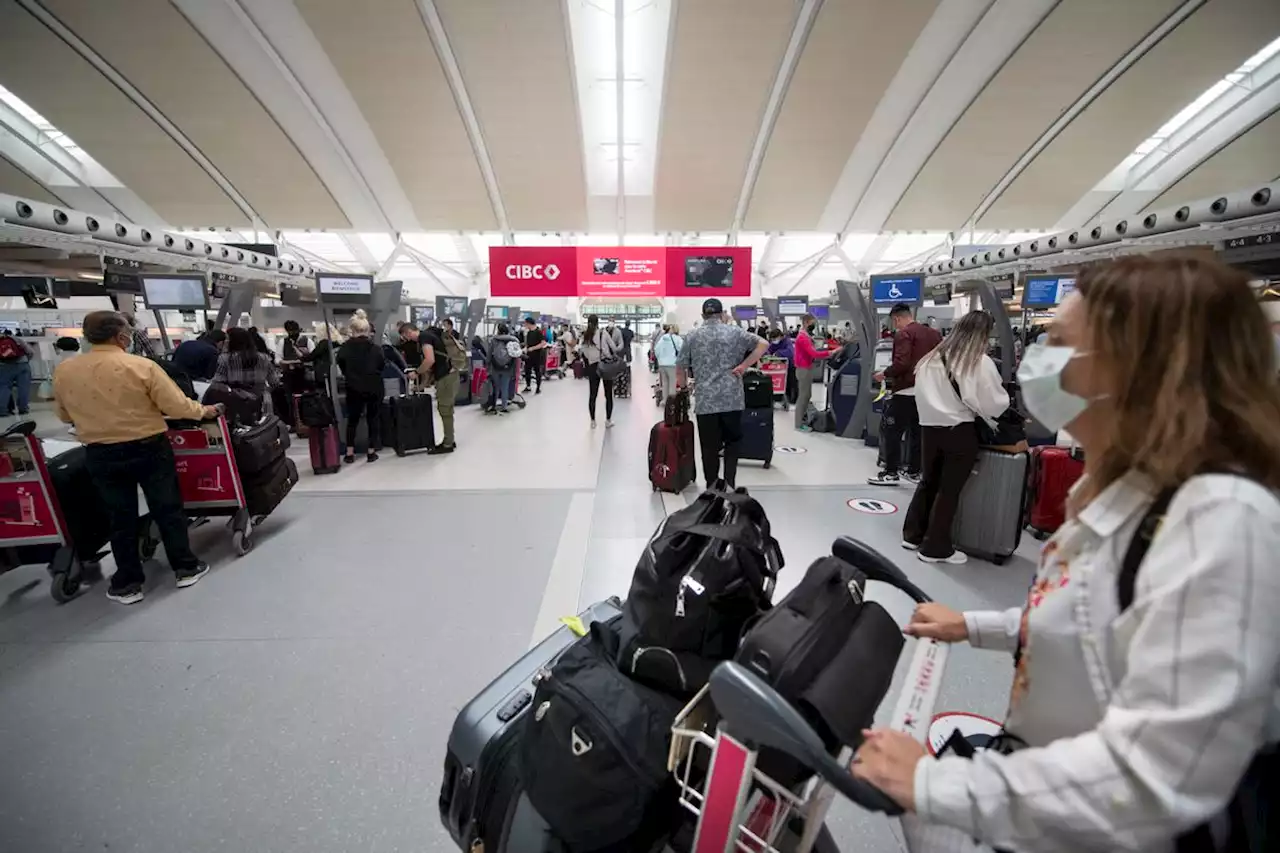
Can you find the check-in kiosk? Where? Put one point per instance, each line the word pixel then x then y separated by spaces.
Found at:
pixel 771 316
pixel 849 396
pixel 886 292
pixel 991 299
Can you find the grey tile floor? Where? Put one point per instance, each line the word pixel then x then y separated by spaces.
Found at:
pixel 299 698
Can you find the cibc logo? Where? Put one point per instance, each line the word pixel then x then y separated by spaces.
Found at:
pixel 550 272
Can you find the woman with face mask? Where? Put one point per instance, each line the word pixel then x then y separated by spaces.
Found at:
pixel 1148 649
pixel 956 383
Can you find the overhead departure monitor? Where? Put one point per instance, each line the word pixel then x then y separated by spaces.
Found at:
pixel 344 288
pixel 744 312
pixel 892 289
pixel 820 312
pixel 181 292
pixel 496 312
pixel 1045 291
pixel 793 306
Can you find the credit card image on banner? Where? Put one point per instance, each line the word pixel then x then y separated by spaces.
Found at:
pixel 631 271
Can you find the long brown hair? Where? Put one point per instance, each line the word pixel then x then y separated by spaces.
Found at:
pixel 1193 361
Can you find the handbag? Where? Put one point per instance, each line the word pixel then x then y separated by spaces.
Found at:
pixel 1010 425
pixel 611 368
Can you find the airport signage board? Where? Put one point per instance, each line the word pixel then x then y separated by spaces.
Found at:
pixel 1043 291
pixel 793 306
pixel 892 289
pixel 451 306
pixel 619 271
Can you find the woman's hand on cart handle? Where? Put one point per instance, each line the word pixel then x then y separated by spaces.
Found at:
pixel 934 621
pixel 887 759
pixel 212 413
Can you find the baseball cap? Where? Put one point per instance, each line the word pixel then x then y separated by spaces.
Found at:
pixel 712 306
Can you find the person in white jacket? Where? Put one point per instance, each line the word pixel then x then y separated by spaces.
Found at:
pixel 956 383
pixel 1147 682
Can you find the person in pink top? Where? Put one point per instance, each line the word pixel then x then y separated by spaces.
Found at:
pixel 807 355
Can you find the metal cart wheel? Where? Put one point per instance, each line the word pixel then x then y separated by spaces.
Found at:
pixel 63 587
pixel 242 542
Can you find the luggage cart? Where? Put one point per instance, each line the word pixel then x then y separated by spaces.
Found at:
pixel 776 370
pixel 209 479
pixel 35 529
pixel 555 364
pixel 741 808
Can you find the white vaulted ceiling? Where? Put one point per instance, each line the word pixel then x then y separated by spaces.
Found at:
pixel 408 136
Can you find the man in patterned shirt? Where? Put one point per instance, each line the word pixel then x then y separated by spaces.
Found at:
pixel 717 354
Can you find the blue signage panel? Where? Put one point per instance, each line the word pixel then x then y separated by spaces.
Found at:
pixel 820 312
pixel 889 289
pixel 1041 291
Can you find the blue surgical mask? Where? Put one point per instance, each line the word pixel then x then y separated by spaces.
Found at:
pixel 1040 377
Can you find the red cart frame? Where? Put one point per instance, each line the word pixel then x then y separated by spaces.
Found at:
pixel 31 515
pixel 776 370
pixel 209 479
pixel 554 364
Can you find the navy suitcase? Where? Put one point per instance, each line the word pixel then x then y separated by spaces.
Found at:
pixel 482 766
pixel 757 435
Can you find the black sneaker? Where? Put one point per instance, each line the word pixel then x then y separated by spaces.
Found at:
pixel 128 595
pixel 349 459
pixel 371 457
pixel 884 478
pixel 539 391
pixel 440 449
pixel 527 389
pixel 191 577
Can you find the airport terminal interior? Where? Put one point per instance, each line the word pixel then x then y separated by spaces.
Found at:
pixel 489 161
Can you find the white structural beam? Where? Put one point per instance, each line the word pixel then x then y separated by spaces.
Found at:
pixel 311 257
pixel 816 256
pixel 620 87
pixel 390 262
pixel 457 85
pixel 936 50
pixel 1082 103
pixel 817 264
pixel 279 58
pixel 80 46
pixel 467 251
pixel 417 258
pixel 769 255
pixel 806 13
pixel 1236 105
pixel 360 251
pixel 875 251
pixel 423 258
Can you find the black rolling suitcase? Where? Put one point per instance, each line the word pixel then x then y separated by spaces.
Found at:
pixel 757 434
pixel 88 525
pixel 408 423
pixel 266 488
pixel 757 389
pixel 482 766
pixel 260 445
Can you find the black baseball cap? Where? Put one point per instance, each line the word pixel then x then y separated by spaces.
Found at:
pixel 712 306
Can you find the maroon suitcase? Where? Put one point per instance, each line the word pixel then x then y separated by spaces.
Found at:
pixel 671 460
pixel 325 456
pixel 1053 471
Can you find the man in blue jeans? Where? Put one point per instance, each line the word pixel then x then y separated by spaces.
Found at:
pixel 15 370
pixel 118 404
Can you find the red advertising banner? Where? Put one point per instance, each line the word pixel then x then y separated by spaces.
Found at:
pixel 535 271
pixel 706 271
pixel 622 271
pixel 619 271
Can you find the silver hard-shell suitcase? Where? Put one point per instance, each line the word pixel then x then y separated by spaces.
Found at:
pixel 481 768
pixel 988 522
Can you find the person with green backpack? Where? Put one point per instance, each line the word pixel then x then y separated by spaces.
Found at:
pixel 438 369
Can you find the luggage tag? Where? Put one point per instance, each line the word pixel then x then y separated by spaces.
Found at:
pixel 574 624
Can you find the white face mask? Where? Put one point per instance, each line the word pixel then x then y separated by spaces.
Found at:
pixel 1040 376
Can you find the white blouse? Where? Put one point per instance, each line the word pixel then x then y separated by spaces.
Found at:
pixel 983 393
pixel 1139 724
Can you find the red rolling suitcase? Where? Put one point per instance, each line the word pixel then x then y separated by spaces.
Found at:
pixel 1054 470
pixel 479 376
pixel 672 464
pixel 325 456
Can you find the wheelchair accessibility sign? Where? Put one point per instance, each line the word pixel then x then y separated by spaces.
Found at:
pixel 872 506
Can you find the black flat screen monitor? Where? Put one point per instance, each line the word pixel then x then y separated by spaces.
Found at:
pixel 185 292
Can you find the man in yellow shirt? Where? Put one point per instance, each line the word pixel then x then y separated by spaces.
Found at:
pixel 118 403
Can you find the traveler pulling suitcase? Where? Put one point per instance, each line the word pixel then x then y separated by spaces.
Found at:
pixel 989 519
pixel 408 423
pixel 1054 470
pixel 757 435
pixel 481 768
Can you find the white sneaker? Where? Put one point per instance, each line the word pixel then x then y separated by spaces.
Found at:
pixel 910 546
pixel 883 479
pixel 593 424
pixel 608 424
pixel 957 558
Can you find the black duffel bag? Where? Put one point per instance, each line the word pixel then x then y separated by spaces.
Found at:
pixel 757 390
pixel 259 446
pixel 315 410
pixel 827 651
pixel 705 575
pixel 593 757
pixel 243 406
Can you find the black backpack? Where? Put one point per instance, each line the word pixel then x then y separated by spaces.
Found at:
pixel 827 651
pixel 705 575
pixel 593 756
pixel 315 410
pixel 1249 822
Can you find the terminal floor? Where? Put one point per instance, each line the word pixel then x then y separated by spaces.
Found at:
pixel 299 698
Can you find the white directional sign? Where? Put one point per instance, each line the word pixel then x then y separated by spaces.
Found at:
pixel 872 506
